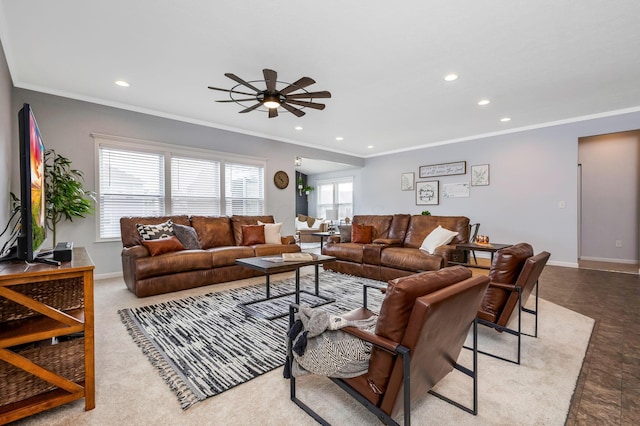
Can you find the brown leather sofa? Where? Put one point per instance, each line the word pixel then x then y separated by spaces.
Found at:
pixel 395 248
pixel 220 239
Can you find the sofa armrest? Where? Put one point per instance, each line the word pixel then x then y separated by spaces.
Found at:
pixel 134 252
pixel 445 253
pixel 288 239
pixel 333 239
pixel 388 241
pixel 130 255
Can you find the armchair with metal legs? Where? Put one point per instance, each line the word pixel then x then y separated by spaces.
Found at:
pixel 423 322
pixel 514 275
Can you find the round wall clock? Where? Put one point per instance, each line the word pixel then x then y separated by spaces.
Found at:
pixel 281 179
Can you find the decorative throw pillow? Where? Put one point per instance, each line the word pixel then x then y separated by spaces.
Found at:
pixel 301 224
pixel 187 236
pixel 272 232
pixel 163 245
pixel 155 232
pixel 345 233
pixel 252 235
pixel 311 221
pixel 361 234
pixel 438 237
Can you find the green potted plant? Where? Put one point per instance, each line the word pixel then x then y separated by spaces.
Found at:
pixel 426 213
pixel 65 195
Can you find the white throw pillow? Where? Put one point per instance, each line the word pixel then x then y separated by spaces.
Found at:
pixel 438 237
pixel 300 225
pixel 272 232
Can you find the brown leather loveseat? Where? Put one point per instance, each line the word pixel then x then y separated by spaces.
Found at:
pixel 221 242
pixel 394 249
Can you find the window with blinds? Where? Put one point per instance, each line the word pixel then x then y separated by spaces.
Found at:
pixel 195 186
pixel 244 189
pixel 335 196
pixel 131 184
pixel 143 181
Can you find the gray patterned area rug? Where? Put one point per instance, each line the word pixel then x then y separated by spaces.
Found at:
pixel 205 345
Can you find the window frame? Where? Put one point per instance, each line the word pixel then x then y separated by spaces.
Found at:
pixel 140 145
pixel 335 182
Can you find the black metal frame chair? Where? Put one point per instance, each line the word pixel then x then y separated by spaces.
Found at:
pixel 464 290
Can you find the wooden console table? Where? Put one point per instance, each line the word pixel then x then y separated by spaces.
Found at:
pixel 39 324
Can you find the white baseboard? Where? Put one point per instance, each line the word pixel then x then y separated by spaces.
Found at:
pixel 108 276
pixel 604 259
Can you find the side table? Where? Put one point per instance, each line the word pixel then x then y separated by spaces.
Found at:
pixel 467 247
pixel 322 236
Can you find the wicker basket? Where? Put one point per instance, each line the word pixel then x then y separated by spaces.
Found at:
pixel 65 359
pixel 65 294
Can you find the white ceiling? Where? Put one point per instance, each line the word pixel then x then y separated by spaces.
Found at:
pixel 537 61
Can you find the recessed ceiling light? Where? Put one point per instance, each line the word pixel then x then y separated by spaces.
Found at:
pixel 339 138
pixel 122 83
pixel 505 119
pixel 370 146
pixel 450 77
pixel 484 102
pixel 298 127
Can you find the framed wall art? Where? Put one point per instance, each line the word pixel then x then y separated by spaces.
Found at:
pixel 480 175
pixel 445 169
pixel 427 193
pixel 455 190
pixel 406 181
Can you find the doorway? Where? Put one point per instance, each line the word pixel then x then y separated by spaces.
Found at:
pixel 609 202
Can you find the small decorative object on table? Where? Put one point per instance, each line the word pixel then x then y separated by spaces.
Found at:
pixel 482 239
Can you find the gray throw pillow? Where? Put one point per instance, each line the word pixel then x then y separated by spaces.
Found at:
pixel 345 233
pixel 187 236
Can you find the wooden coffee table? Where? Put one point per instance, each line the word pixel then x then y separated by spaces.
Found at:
pixel 268 268
pixel 467 247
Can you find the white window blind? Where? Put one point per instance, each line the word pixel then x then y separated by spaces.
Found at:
pixel 336 195
pixel 131 184
pixel 244 189
pixel 195 186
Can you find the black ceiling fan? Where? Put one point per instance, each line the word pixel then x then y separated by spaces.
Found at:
pixel 272 97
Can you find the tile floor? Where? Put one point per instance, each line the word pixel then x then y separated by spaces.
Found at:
pixel 608 389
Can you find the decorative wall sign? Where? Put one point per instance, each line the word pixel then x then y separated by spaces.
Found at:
pixel 455 190
pixel 427 193
pixel 406 181
pixel 480 175
pixel 445 169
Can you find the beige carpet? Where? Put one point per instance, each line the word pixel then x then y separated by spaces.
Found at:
pixel 130 391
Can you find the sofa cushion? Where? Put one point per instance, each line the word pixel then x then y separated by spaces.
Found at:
pixel 252 235
pixel 381 224
pixel 238 220
pixel 272 232
pixel 187 236
pixel 129 232
pixel 155 231
pixel 508 262
pixel 438 237
pixel 226 256
pixel 362 234
pixel 213 231
pixel 420 226
pixel 409 259
pixel 351 252
pixel 174 263
pixel 163 245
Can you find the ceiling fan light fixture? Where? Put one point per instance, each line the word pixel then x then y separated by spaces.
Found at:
pixel 271 101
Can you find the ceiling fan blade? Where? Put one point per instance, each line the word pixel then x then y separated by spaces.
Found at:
pixel 231 91
pixel 251 108
pixel 306 104
pixel 273 112
pixel 241 81
pixel 316 95
pixel 270 78
pixel 294 111
pixel 238 100
pixel 300 84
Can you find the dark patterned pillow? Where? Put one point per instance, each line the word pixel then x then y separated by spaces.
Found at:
pixel 187 236
pixel 345 233
pixel 155 232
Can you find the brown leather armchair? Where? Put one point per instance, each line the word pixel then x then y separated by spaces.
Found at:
pixel 514 274
pixel 411 353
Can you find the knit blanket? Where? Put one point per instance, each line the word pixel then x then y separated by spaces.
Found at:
pixel 320 347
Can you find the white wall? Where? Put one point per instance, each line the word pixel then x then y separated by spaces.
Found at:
pixel 6 126
pixel 531 172
pixel 66 126
pixel 610 175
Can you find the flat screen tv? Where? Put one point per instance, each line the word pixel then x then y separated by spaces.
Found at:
pixel 33 229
